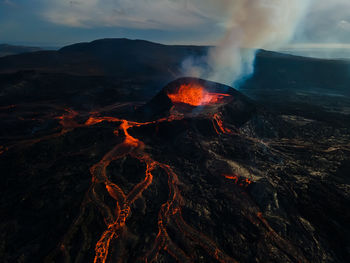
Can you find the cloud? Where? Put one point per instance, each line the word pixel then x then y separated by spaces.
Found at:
pixel 8 3
pixel 326 22
pixel 344 25
pixel 141 14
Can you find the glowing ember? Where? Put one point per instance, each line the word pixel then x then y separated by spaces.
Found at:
pixel 196 95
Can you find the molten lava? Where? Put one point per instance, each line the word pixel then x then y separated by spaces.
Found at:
pixel 219 125
pixel 115 219
pixel 196 95
pixel 116 214
pixel 243 182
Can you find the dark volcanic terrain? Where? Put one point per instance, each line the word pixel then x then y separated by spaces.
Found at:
pixel 117 168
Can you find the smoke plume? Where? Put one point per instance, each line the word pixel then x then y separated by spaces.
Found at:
pixel 252 24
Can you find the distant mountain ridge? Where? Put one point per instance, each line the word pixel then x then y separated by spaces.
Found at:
pixel 7 50
pixel 135 60
pixel 107 57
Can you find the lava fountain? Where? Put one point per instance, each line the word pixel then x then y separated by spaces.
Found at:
pixel 196 95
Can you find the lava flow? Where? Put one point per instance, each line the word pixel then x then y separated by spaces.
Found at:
pixel 219 125
pixel 115 219
pixel 196 95
pixel 243 182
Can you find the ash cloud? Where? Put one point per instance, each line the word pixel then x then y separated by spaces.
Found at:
pixel 252 24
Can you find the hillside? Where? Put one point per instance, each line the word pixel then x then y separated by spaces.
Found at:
pixel 7 50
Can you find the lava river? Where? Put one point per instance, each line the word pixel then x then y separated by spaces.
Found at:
pixel 115 218
pixel 169 214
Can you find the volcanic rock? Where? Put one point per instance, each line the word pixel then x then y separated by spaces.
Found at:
pixel 228 181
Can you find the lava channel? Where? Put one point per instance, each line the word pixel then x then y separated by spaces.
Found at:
pixel 115 219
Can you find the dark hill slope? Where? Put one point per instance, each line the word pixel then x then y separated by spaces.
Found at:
pixel 113 57
pixel 6 50
pixel 154 64
pixel 130 59
pixel 279 71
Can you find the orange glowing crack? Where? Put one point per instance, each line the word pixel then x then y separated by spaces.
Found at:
pixel 196 95
pixel 241 181
pixel 219 125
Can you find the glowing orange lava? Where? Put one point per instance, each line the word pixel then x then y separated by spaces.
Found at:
pixel 67 121
pixel 170 213
pixel 115 219
pixel 196 95
pixel 243 182
pixel 116 216
pixel 219 125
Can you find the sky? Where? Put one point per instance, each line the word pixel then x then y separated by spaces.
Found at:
pixel 326 23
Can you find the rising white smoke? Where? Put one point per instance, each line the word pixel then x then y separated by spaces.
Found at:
pixel 252 24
